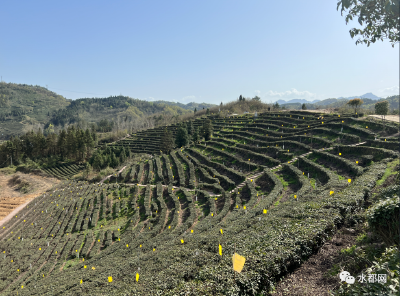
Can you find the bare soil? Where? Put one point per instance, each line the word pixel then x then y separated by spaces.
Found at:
pixel 11 195
pixel 394 118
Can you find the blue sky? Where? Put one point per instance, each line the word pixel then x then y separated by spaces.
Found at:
pixel 183 51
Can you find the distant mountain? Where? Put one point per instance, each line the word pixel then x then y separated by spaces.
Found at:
pixel 189 106
pixel 364 96
pixel 296 101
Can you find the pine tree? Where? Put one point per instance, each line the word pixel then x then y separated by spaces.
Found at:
pixel 240 98
pixel 208 111
pixel 182 137
pixel 61 143
pixel 167 141
pixel 304 107
pixel 71 142
pixel 207 130
pixel 190 127
pixel 195 110
pixel 195 136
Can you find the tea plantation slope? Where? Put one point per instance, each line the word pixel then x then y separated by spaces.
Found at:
pixel 271 243
pixel 264 186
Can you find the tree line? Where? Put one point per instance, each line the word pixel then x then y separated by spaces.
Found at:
pixel 186 134
pixel 72 143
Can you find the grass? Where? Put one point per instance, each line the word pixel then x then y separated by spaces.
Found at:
pixel 312 182
pixel 390 170
pixel 277 202
pixel 8 170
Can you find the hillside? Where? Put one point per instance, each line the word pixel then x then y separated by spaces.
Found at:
pixel 367 106
pixel 272 188
pixel 189 106
pixel 23 106
pixel 115 108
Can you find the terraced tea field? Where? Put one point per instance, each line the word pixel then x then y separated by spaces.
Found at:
pixel 64 171
pixel 272 188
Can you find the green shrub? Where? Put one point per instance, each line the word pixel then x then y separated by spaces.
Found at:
pixel 388 264
pixel 383 218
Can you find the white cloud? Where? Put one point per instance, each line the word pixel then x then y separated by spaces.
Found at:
pixel 187 99
pixel 394 90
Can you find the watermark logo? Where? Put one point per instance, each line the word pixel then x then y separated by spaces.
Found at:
pixel 346 277
pixel 362 278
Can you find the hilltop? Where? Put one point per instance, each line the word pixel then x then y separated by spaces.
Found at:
pixel 25 107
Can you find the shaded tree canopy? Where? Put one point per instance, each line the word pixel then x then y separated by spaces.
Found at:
pixel 380 17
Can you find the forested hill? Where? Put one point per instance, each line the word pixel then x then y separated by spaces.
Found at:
pixel 26 105
pixel 93 109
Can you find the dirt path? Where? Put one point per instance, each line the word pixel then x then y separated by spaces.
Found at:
pixel 12 200
pixel 310 278
pixel 394 118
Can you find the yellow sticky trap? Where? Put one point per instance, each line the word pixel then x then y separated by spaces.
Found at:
pixel 265 211
pixel 322 122
pixel 81 281
pixel 154 250
pixel 212 214
pixel 238 262
pixel 244 207
pixel 251 180
pixel 182 241
pixel 22 287
pixel 295 196
pixel 366 127
pixel 331 192
pixel 119 239
pixel 40 249
pixel 340 153
pixel 349 180
pixel 220 250
pixel 84 266
pixel 191 231
pixel 127 246
pixel 140 245
pixel 137 277
pixel 169 227
pixel 93 268
pixel 110 279
pixel 338 115
pixel 221 231
pixel 356 161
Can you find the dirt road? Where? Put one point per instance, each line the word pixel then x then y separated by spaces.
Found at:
pixel 12 188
